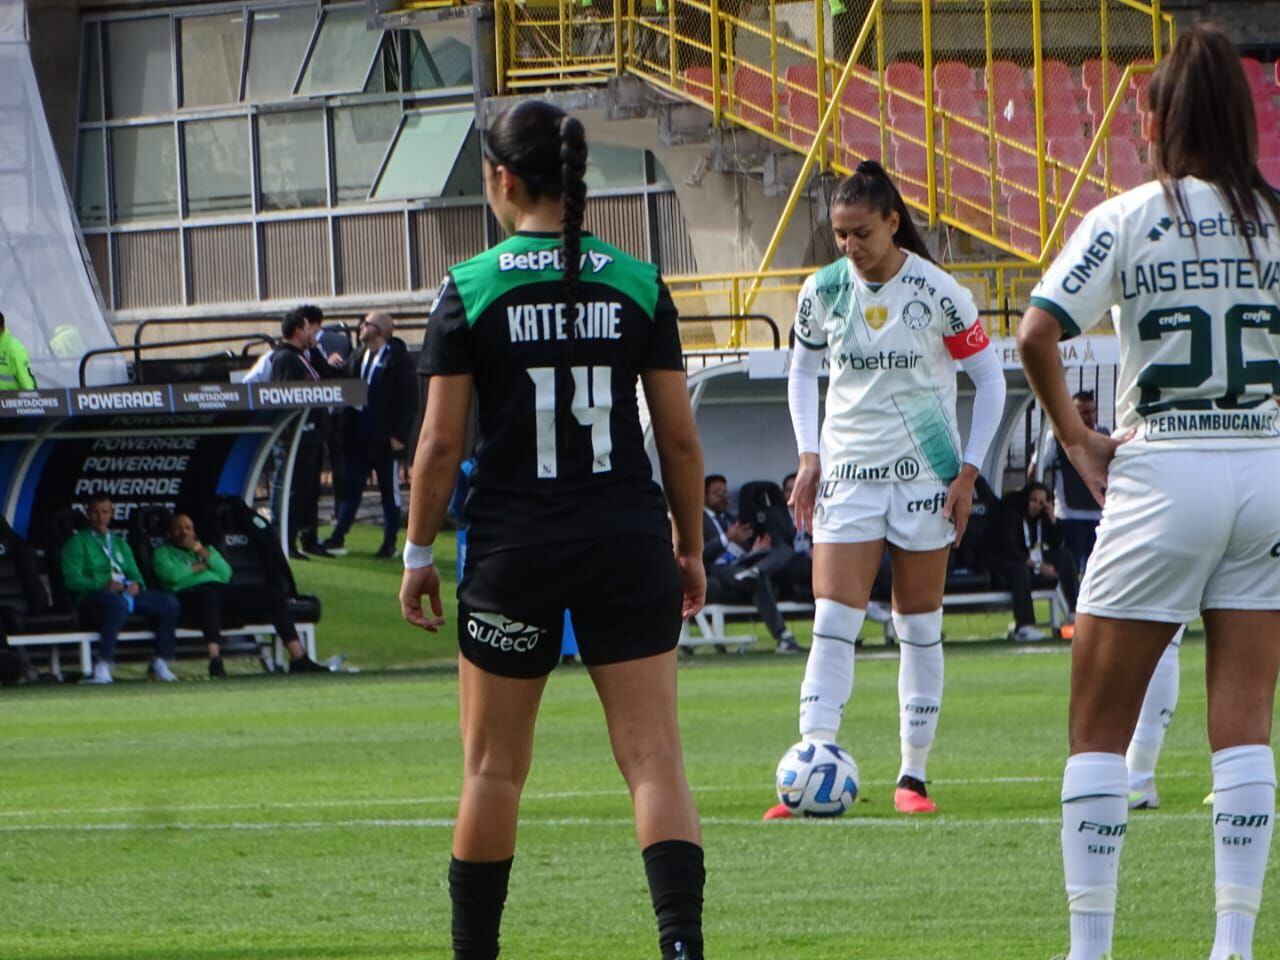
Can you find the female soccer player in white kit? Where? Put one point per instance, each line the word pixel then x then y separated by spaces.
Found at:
pixel 1190 264
pixel 889 466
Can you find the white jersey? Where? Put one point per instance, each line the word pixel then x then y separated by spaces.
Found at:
pixel 1197 317
pixel 891 397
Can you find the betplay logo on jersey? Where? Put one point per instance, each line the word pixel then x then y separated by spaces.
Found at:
pixel 503 633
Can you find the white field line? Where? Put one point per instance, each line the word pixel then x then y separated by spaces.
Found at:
pixel 453 798
pixel 443 823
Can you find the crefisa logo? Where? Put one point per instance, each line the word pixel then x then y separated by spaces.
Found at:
pixel 503 633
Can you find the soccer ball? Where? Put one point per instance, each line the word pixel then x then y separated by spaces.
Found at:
pixel 817 778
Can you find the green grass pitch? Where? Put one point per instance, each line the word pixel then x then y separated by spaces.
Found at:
pixel 272 819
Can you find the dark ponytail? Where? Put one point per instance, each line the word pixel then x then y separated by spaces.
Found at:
pixel 573 185
pixel 870 185
pixel 1205 126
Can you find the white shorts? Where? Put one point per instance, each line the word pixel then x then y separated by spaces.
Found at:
pixel 1184 531
pixel 908 515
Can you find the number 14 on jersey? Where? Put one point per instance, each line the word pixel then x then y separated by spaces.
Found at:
pixel 591 407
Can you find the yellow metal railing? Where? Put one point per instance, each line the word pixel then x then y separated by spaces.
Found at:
pixel 983 158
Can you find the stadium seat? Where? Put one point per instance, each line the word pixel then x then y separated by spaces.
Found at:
pixel 802 119
pixel 1015 121
pixel 911 169
pixel 148 529
pixel 1068 150
pixel 861 137
pixel 906 116
pixel 905 77
pixel 24 602
pixel 1269 167
pixel 1006 78
pixel 963 102
pixel 1255 71
pixel 1063 121
pixel 1091 73
pixel 1060 78
pixel 802 77
pixel 248 543
pixel 696 81
pixel 953 75
pixel 1024 222
pixel 861 97
pixel 753 96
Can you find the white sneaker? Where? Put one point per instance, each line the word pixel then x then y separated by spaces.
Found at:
pixel 878 612
pixel 101 673
pixel 160 672
pixel 1029 634
pixel 1144 799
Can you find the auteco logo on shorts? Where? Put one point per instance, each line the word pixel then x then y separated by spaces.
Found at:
pixel 503 633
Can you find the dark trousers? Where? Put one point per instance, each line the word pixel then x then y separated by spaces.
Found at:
pixel 1019 579
pixel 210 607
pixel 1078 536
pixel 358 467
pixel 795 579
pixel 304 492
pixel 110 610
pixel 733 583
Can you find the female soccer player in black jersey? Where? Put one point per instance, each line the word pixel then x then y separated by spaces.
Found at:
pixel 551 330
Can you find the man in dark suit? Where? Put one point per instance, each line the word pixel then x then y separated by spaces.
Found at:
pixel 377 434
pixel 1027 554
pixel 742 562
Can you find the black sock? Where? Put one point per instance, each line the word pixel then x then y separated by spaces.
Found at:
pixel 676 876
pixel 479 892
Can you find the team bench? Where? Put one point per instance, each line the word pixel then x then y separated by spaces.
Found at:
pixel 710 620
pixel 84 639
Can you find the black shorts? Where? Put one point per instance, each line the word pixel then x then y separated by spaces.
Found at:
pixel 623 595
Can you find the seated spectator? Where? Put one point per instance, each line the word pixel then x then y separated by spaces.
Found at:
pixel 741 563
pixel 1027 554
pixel 100 572
pixel 201 579
pixel 795 579
pixel 1076 510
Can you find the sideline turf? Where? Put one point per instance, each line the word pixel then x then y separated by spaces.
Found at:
pixel 277 819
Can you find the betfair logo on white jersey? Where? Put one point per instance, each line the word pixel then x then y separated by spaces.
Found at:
pixel 885 360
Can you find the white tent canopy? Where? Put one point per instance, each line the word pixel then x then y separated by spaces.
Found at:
pixel 46 294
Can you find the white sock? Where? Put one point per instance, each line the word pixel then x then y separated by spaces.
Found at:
pixel 1095 816
pixel 1157 713
pixel 1244 806
pixel 828 675
pixel 919 687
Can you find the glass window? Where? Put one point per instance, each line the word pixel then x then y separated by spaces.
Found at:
pixel 660 174
pixel 145 171
pixel 91 88
pixel 212 48
pixel 217 165
pixel 292 160
pixel 91 178
pixel 439 57
pixel 140 80
pixel 277 45
pixel 425 152
pixel 361 136
pixel 343 54
pixel 613 168
pixel 385 75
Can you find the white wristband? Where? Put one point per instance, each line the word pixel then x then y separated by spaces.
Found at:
pixel 417 557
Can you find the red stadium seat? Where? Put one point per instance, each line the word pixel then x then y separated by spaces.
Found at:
pixel 963 102
pixel 906 77
pixel 953 75
pixel 1063 123
pixel 1092 71
pixel 911 169
pixel 753 96
pixel 802 77
pixel 1068 150
pixel 696 81
pixel 1059 76
pixel 802 119
pixel 1006 78
pixel 862 137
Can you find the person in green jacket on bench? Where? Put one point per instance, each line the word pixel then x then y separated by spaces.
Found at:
pixel 103 578
pixel 201 579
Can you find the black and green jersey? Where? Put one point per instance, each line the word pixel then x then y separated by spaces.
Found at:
pixel 560 452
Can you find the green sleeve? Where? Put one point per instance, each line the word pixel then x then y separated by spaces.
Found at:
pixel 75 566
pixel 131 566
pixel 168 571
pixel 22 367
pixel 219 567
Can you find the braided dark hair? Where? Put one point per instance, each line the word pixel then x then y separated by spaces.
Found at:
pixel 871 186
pixel 546 149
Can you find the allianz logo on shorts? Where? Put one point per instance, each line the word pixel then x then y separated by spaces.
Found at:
pixel 503 633
pixel 904 468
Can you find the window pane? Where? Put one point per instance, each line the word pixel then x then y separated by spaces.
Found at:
pixel 361 136
pixel 144 165
pixel 91 178
pixel 439 56
pixel 212 48
pixel 138 58
pixel 660 172
pixel 424 155
pixel 277 46
pixel 91 87
pixel 342 55
pixel 217 154
pixel 291 154
pixel 612 168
